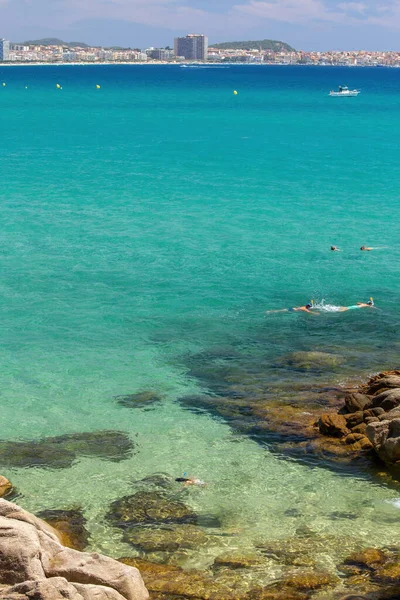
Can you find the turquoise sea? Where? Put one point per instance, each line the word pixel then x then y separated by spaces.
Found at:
pixel 146 227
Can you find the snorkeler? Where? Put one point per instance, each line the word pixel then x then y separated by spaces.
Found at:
pixel 369 304
pixel 190 481
pixel 366 248
pixel 306 308
pixel 335 249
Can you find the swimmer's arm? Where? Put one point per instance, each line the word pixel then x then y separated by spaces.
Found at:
pixel 312 312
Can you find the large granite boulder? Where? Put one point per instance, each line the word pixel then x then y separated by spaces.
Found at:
pixel 385 438
pixel 355 401
pixel 387 400
pixel 382 382
pixel 34 564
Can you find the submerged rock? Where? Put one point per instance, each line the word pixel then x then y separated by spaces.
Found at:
pixel 138 400
pixel 70 526
pixel 165 539
pixel 312 361
pixel 149 508
pixel 61 451
pixel 235 560
pixel 309 580
pixel 5 486
pixel 34 565
pixel 369 558
pixel 168 582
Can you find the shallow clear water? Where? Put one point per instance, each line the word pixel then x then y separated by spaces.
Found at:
pixel 158 218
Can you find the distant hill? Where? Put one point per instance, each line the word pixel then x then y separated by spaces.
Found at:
pixel 53 42
pixel 273 45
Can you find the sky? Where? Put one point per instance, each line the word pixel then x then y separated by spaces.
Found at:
pixel 304 24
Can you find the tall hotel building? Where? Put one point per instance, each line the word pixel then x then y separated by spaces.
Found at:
pixel 4 49
pixel 192 47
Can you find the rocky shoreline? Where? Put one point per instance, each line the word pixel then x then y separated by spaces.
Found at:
pixel 369 419
pixel 44 558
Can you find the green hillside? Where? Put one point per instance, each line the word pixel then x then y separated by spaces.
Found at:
pixel 273 45
pixel 53 42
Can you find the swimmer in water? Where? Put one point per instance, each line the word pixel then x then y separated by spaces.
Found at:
pixel 366 248
pixel 335 249
pixel 369 304
pixel 306 308
pixel 190 481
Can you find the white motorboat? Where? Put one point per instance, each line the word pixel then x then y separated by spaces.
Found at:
pixel 344 91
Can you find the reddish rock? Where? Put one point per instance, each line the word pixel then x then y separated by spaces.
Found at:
pixel 333 425
pixel 388 573
pixel 361 428
pixel 369 558
pixel 354 419
pixel 309 580
pixel 69 526
pixel 5 486
pixel 168 582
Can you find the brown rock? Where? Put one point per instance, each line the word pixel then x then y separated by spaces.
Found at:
pixel 388 573
pixel 354 419
pixel 373 412
pixel 369 558
pixel 268 593
pixel 165 539
pixel 147 508
pixel 361 428
pixel 166 582
pixel 333 425
pixel 234 560
pixel 357 441
pixel 5 486
pixel 69 525
pixel 355 402
pixel 312 580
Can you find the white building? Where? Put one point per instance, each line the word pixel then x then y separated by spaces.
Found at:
pixel 4 49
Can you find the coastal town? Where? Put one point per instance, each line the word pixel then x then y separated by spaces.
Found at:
pixel 188 49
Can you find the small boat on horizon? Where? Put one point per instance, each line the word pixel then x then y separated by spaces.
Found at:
pixel 344 91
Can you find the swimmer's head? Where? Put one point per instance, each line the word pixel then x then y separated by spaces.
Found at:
pixel 309 305
pixel 182 479
pixel 362 248
pixel 370 302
